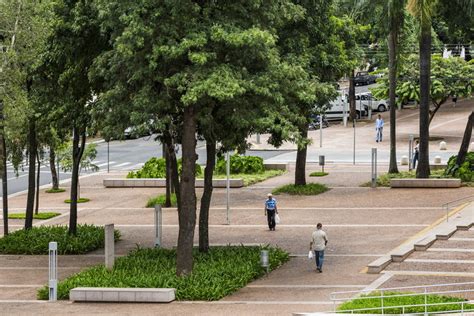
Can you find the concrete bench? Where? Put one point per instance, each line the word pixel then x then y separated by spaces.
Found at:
pixel 161 183
pixel 445 232
pixel 425 243
pixel 425 183
pixel 276 166
pixel 378 265
pixel 136 295
pixel 401 253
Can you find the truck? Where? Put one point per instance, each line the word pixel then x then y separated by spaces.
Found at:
pixel 364 78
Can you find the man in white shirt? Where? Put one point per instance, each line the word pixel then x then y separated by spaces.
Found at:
pixel 318 243
pixel 379 128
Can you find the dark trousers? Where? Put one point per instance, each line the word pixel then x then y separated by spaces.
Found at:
pixel 271 219
pixel 415 159
pixel 319 256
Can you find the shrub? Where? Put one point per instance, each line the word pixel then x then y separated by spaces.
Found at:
pixel 361 303
pixel 45 215
pixel 250 179
pixel 35 240
pixel 465 171
pixel 308 189
pixel 160 200
pixel 156 168
pixel 59 190
pixel 240 164
pixel 79 200
pixel 384 179
pixel 318 174
pixel 216 274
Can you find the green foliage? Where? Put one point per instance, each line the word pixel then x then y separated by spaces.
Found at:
pixel 416 299
pixel 216 274
pixel 89 155
pixel 240 164
pixel 79 200
pixel 160 200
pixel 45 215
pixel 59 190
pixel 308 189
pixel 465 171
pixel 250 179
pixel 156 168
pixel 318 174
pixel 35 241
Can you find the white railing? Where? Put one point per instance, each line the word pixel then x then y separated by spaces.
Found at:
pixel 424 291
pixel 450 204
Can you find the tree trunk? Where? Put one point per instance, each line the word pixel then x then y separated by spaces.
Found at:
pixel 77 151
pixel 187 211
pixel 423 169
pixel 30 200
pixel 300 168
pixel 392 75
pixel 465 140
pixel 52 166
pixel 3 160
pixel 37 183
pixel 352 100
pixel 206 196
pixel 168 176
pixel 435 110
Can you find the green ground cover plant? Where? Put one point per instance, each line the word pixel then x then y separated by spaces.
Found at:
pixel 240 165
pixel 318 174
pixel 79 200
pixel 308 189
pixel 45 215
pixel 156 168
pixel 160 200
pixel 216 274
pixel 35 241
pixel 250 179
pixel 59 190
pixel 361 303
pixel 465 171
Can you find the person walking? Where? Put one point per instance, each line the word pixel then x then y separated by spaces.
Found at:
pixel 416 153
pixel 270 211
pixel 318 243
pixel 379 128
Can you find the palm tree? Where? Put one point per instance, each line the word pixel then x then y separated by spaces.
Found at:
pixel 422 10
pixel 396 13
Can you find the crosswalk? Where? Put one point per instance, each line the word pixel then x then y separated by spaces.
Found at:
pixel 113 165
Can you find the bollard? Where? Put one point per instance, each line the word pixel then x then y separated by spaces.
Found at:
pixel 322 162
pixel 109 246
pixel 264 260
pixel 442 146
pixel 158 225
pixel 404 161
pixel 437 160
pixel 53 271
pixel 258 138
pixel 374 167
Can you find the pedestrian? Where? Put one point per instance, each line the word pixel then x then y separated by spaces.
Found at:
pixel 379 128
pixel 416 153
pixel 270 211
pixel 318 243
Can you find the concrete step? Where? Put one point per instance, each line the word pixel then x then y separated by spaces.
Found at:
pixel 136 295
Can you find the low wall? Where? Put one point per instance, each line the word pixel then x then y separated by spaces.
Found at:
pixel 425 183
pixel 161 183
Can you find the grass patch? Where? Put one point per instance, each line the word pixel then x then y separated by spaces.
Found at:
pixel 250 179
pixel 45 215
pixel 35 241
pixel 59 190
pixel 308 189
pixel 216 274
pixel 80 200
pixel 160 200
pixel 318 174
pixel 364 304
pixel 384 179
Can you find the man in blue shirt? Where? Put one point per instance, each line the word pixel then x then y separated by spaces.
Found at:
pixel 379 128
pixel 270 211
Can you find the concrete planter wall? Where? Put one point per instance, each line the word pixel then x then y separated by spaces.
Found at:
pixel 161 183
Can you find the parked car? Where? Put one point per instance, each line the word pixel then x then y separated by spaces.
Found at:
pixel 367 99
pixel 364 78
pixel 315 122
pixel 335 109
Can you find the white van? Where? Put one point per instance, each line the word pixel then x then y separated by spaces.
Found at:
pixel 366 99
pixel 336 109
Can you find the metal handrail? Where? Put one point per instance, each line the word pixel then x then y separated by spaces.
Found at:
pixel 446 205
pixel 425 293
